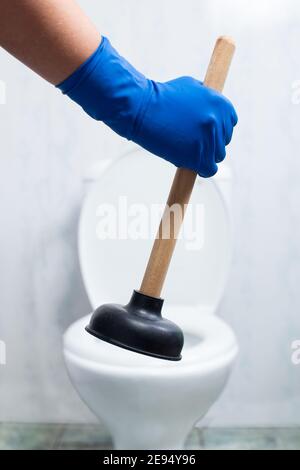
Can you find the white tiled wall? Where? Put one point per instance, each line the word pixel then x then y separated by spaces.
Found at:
pixel 46 143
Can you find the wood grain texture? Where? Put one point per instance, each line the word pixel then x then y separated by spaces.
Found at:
pixel 182 186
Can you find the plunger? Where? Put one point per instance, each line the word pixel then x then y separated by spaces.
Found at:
pixel 139 325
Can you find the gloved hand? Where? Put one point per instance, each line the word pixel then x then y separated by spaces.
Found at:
pixel 181 121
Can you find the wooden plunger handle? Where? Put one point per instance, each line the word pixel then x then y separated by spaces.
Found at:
pixel 182 186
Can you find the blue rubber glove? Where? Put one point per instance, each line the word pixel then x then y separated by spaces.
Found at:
pixel 181 121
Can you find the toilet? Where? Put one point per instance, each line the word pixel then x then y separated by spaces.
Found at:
pixel 145 402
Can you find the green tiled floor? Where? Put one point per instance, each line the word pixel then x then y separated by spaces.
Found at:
pixel 78 436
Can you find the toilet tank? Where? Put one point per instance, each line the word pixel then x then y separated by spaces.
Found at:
pixel 119 219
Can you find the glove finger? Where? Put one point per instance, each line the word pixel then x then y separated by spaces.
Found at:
pixel 220 151
pixel 234 117
pixel 227 131
pixel 207 162
pixel 230 111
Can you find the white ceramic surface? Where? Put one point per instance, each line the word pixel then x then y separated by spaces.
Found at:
pixel 150 403
pixel 112 268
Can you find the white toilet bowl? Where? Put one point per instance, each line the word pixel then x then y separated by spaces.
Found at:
pixel 149 403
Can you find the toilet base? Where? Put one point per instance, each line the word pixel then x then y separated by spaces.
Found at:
pixel 149 441
pixel 164 423
pixel 149 403
pixel 154 434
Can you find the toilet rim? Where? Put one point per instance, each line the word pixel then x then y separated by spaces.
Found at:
pixel 154 367
pixel 219 362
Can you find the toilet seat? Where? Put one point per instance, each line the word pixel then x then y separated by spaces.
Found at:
pixel 209 342
pixel 111 269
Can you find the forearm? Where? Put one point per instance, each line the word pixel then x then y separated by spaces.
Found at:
pixel 181 121
pixel 52 37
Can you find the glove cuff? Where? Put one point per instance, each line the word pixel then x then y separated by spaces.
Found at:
pixel 109 89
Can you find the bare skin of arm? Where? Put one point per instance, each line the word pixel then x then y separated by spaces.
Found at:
pixel 52 37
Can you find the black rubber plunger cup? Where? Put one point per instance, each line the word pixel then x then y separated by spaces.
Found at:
pixel 139 325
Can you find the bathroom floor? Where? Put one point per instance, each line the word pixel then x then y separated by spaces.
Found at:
pixel 78 436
